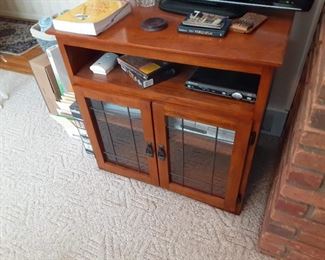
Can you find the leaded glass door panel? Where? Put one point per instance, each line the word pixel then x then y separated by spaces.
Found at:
pixel 201 154
pixel 122 136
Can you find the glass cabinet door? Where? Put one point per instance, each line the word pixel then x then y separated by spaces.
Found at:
pixel 202 159
pixel 124 139
pixel 121 133
pixel 199 155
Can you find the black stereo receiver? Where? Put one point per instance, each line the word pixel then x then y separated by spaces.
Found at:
pixel 231 84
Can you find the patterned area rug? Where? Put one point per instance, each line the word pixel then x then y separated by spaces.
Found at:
pixel 15 37
pixel 56 204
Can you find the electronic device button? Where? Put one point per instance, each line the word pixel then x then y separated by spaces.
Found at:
pixel 237 95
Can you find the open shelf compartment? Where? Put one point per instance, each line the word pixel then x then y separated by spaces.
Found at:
pixel 173 90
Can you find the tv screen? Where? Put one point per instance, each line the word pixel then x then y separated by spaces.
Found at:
pixel 232 8
pixel 298 5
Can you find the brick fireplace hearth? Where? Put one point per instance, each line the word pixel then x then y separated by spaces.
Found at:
pixel 294 224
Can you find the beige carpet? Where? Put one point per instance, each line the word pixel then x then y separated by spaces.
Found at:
pixel 56 204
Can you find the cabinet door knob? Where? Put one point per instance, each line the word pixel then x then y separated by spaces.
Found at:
pixel 149 150
pixel 161 153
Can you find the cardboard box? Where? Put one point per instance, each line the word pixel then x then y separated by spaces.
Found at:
pixel 46 81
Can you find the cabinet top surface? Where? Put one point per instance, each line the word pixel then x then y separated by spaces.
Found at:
pixel 265 46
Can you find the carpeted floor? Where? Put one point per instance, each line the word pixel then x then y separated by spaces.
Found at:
pixel 56 204
pixel 15 37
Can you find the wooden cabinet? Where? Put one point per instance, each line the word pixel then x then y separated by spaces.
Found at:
pixel 182 149
pixel 196 144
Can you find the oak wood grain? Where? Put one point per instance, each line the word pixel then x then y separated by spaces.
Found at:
pixel 266 46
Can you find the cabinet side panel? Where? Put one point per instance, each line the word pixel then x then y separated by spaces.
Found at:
pixel 260 106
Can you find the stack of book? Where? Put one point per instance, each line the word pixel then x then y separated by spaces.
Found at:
pixel 203 23
pixel 146 72
pixel 63 90
pixel 64 95
pixel 64 104
pixel 63 114
pixel 79 124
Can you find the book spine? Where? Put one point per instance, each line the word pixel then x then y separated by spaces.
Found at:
pixel 139 75
pixel 58 67
pixel 53 82
pixel 201 31
pixel 56 73
pixel 125 67
pixel 145 83
pixel 130 67
pixel 135 77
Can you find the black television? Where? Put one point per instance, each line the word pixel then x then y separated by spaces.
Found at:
pixel 232 8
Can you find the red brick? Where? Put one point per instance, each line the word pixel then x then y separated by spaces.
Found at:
pixel 294 255
pixel 305 179
pixel 297 201
pixel 299 223
pixel 281 230
pixel 318 215
pixel 318 119
pixel 271 247
pixel 314 198
pixel 291 207
pixel 310 160
pixel 312 240
pixel 312 252
pixel 315 140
